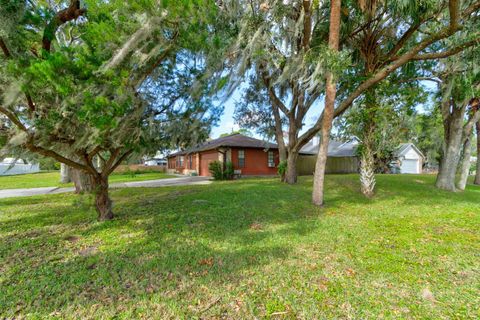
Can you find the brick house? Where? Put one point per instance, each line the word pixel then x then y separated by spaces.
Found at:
pixel 250 156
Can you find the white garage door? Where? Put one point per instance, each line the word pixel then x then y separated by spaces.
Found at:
pixel 409 166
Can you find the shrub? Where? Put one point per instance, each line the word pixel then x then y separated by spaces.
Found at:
pixel 216 169
pixel 229 171
pixel 48 164
pixel 282 168
pixel 219 173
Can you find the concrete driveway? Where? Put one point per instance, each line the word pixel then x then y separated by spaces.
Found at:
pixel 181 181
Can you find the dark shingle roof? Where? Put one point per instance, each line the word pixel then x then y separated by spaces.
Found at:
pixel 233 140
pixel 312 147
pixel 335 148
pixel 349 148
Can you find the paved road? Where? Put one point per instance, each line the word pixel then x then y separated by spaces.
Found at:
pixel 182 181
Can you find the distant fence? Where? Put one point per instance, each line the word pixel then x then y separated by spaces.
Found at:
pixel 306 165
pixel 8 170
pixel 140 167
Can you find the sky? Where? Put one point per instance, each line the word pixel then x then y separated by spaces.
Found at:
pixel 227 124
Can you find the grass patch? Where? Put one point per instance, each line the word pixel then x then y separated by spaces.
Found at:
pixel 244 249
pixel 51 179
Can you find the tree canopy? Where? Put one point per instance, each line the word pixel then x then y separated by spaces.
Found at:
pixel 87 80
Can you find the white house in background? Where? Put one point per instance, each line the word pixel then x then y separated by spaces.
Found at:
pixel 342 157
pixel 12 166
pixel 410 157
pixel 156 162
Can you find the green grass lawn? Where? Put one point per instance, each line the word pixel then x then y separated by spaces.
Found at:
pixel 245 249
pixel 51 179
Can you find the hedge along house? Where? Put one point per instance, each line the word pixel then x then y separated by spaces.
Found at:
pixel 249 156
pixel 343 158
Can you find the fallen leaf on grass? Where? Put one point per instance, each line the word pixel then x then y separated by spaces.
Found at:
pixel 350 272
pixel 206 262
pixel 428 295
pixel 237 306
pixel 323 284
pixel 256 226
pixel 199 201
pixel 88 251
pixel 72 239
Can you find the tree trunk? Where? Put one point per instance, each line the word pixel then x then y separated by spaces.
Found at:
pixel 465 164
pixel 321 164
pixel 282 151
pixel 103 204
pixel 477 173
pixel 327 121
pixel 448 169
pixel 369 146
pixel 83 181
pixel 451 151
pixel 291 175
pixel 367 171
pixel 65 173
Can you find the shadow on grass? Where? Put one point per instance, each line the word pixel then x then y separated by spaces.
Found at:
pixel 164 241
pixel 57 257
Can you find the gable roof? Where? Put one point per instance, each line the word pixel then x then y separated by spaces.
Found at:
pixel 349 148
pixel 234 140
pixel 312 147
pixel 403 149
pixel 335 148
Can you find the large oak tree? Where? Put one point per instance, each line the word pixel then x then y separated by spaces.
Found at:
pixel 77 78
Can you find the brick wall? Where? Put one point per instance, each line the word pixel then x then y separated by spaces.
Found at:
pixel 256 162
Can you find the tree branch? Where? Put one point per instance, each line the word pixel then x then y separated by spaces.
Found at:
pixel 119 161
pixel 473 119
pixel 472 8
pixel 110 162
pixel 406 36
pixel 4 47
pixel 141 34
pixel 92 153
pixel 307 24
pixel 421 79
pixel 448 53
pixel 13 118
pixel 376 78
pixel 49 153
pixel 454 8
pixel 272 94
pixel 30 103
pixel 152 68
pixel 71 13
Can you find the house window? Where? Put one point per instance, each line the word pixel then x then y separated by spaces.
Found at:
pixel 271 161
pixel 181 161
pixel 241 158
pixel 190 159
